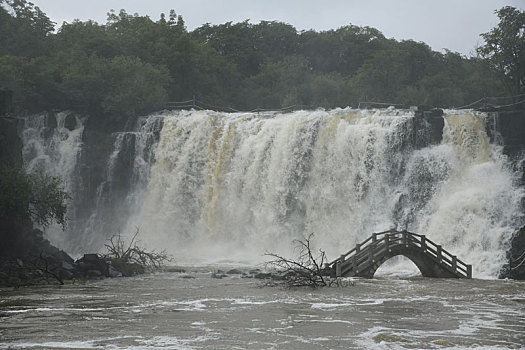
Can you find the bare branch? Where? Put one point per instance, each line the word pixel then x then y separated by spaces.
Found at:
pixel 130 257
pixel 306 269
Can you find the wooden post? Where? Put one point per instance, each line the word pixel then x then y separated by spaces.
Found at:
pixel 342 258
pixel 371 253
pixel 357 248
pixel 439 253
pixel 354 264
pixel 469 271
pixel 338 268
pixel 509 257
pixel 454 263
pixel 404 238
pixel 374 237
pixel 387 242
pixel 423 243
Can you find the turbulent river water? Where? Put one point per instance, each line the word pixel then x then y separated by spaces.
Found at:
pixel 173 311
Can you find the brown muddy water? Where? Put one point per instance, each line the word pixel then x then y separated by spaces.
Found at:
pixel 194 311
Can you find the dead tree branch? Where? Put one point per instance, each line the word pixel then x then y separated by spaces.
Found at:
pixel 306 269
pixel 130 258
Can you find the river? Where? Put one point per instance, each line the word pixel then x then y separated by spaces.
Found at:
pixel 191 310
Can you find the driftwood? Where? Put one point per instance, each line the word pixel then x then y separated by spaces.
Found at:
pixel 307 270
pixel 130 258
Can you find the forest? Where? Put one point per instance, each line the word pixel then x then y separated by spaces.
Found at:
pixel 132 65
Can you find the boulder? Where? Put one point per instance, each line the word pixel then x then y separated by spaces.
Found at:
pixel 112 272
pixel 70 122
pixel 92 262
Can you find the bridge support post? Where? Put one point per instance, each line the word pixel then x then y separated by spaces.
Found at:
pixel 469 271
pixel 354 265
pixel 404 238
pixel 338 268
pixel 387 242
pixel 454 263
pixel 423 243
pixel 439 253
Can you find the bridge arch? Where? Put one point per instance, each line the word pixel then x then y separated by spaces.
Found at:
pixel 426 266
pixel 431 259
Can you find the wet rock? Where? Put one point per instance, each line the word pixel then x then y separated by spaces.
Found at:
pixel 112 272
pixel 64 257
pixel 50 120
pixel 188 276
pixel 70 122
pixel 67 266
pixel 93 274
pixel 218 275
pixel 262 275
pixel 66 274
pixel 234 272
pixel 175 270
pixel 92 262
pixel 516 258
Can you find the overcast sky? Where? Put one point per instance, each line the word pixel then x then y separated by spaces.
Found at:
pixel 451 24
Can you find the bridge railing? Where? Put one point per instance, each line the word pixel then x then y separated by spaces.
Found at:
pixel 376 245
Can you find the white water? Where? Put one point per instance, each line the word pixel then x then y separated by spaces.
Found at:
pixel 172 311
pixel 53 152
pixel 229 187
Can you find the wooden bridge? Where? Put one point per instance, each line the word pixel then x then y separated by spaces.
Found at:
pixel 431 259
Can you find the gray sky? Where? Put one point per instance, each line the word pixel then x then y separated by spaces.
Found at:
pixel 451 24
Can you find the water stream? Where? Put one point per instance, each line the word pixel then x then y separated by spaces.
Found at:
pixel 172 311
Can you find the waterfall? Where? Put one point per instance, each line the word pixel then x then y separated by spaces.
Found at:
pixel 52 148
pixel 210 186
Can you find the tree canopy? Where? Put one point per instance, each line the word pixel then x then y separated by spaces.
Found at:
pixel 133 64
pixel 505 47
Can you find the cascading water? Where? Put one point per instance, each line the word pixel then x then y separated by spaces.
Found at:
pixel 232 186
pixel 52 149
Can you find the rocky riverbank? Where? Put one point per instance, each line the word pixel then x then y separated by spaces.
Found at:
pixel 43 263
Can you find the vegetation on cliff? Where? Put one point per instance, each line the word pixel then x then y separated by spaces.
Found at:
pixel 132 65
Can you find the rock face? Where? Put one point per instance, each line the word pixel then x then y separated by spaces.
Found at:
pixel 510 127
pixel 516 257
pixel 10 143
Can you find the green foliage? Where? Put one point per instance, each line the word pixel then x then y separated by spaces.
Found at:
pixel 119 87
pixel 24 28
pixel 505 47
pixel 133 64
pixel 38 197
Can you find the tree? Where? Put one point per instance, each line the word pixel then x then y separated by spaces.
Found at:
pixel 307 270
pixel 36 196
pixel 26 199
pixel 505 47
pixel 24 28
pixel 117 88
